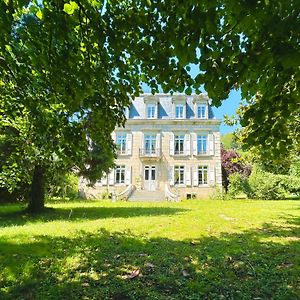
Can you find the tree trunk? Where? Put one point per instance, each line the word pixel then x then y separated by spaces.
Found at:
pixel 37 193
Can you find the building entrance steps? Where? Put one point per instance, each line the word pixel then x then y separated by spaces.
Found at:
pixel 143 195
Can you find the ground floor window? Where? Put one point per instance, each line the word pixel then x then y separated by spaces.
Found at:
pixel 120 174
pixel 202 175
pixel 179 174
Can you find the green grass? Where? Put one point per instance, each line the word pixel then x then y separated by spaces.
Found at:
pixel 190 250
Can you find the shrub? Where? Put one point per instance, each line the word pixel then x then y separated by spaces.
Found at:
pixel 238 184
pixel 291 183
pixel 264 185
pixel 232 163
pixel 63 186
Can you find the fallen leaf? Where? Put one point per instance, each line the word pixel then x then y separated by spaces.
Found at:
pixel 135 273
pixel 185 273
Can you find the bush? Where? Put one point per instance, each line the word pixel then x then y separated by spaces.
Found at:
pixel 264 185
pixel 291 184
pixel 237 184
pixel 63 186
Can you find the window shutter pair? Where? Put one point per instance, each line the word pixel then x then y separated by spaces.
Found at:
pixel 210 146
pixel 187 175
pixel 187 144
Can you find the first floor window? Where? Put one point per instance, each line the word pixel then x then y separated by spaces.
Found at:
pixel 120 174
pixel 179 144
pixel 121 143
pixel 201 144
pixel 150 144
pixel 179 174
pixel 202 175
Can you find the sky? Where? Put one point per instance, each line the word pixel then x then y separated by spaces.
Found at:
pixel 229 106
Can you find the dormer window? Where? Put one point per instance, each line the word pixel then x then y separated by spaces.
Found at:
pixel 151 107
pixel 179 111
pixel 201 111
pixel 150 111
pixel 179 106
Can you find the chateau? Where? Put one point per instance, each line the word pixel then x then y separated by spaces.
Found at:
pixel 168 149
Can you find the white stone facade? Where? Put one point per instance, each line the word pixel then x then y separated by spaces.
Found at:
pixel 167 140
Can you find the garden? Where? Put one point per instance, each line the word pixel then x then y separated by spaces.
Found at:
pixel 209 249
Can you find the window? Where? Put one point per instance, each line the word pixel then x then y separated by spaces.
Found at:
pixel 201 144
pixel 150 111
pixel 150 144
pixel 179 174
pixel 120 174
pixel 179 144
pixel 179 111
pixel 202 175
pixel 201 111
pixel 121 143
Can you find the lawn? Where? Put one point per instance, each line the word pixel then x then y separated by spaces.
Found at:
pixel 238 249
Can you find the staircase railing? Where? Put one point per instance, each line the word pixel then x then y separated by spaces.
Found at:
pixel 124 195
pixel 170 196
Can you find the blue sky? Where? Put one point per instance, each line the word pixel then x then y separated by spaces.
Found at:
pixel 228 107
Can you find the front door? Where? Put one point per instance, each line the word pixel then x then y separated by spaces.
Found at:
pixel 150 178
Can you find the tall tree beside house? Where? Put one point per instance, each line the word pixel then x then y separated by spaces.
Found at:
pixel 69 67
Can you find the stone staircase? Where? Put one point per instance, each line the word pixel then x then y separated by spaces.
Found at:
pixel 147 196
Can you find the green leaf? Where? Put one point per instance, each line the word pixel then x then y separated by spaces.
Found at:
pixel 188 91
pixel 39 14
pixel 70 7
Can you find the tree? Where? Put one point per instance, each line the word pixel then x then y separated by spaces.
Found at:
pixel 68 68
pixel 229 142
pixel 232 163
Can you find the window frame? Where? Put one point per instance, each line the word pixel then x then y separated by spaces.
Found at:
pixel 152 138
pixel 180 114
pixel 201 114
pixel 119 171
pixel 180 139
pixel 201 138
pixel 150 110
pixel 201 179
pixel 120 149
pixel 181 175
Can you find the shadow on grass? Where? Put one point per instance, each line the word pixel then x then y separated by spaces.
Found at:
pixel 16 215
pixel 97 266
